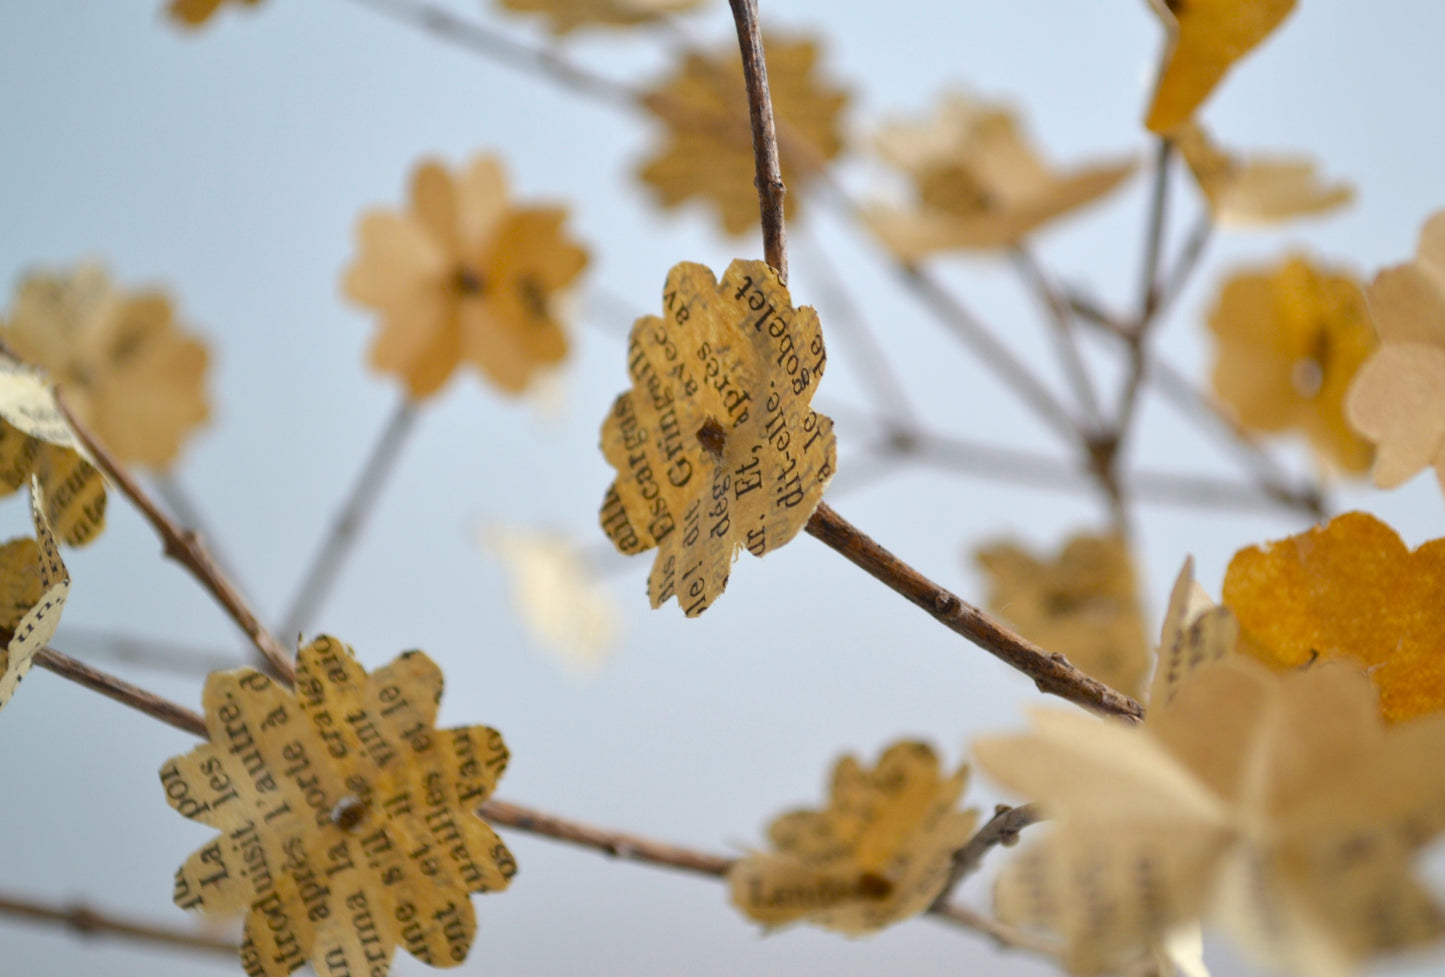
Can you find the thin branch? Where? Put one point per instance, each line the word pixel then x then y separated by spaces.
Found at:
pixel 346 527
pixel 90 922
pixel 185 547
pixel 1002 829
pixel 1051 673
pixel 186 512
pixel 769 172
pixel 121 691
pixel 1188 261
pixel 1006 936
pixel 161 654
pixel 1154 234
pixel 1062 331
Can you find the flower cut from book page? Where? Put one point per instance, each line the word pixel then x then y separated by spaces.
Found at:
pixel 565 16
pixel 37 440
pixel 1256 191
pixel 560 600
pixel 1348 590
pixel 128 370
pixel 195 13
pixel 34 585
pixel 716 447
pixel 1084 604
pixel 1397 399
pixel 1277 806
pixel 708 151
pixel 880 852
pixel 1288 341
pixel 1196 632
pixel 1204 40
pixel 465 276
pixel 348 822
pixel 979 183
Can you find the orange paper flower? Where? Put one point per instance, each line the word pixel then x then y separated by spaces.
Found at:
pixel 709 150
pixel 1290 339
pixel 194 13
pixel 565 16
pixel 465 276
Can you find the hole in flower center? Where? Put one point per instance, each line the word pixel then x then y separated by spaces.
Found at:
pixel 1307 376
pixel 468 282
pixel 871 885
pixel 713 438
pixel 347 813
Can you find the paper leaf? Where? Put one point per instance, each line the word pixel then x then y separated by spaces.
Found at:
pixel 716 446
pixel 564 606
pixel 34 585
pixel 1256 192
pixel 36 439
pixel 127 370
pixel 979 182
pixel 1397 399
pixel 194 13
pixel 1348 590
pixel 565 16
pixel 708 152
pixel 1289 340
pixel 1205 39
pixel 1275 804
pixel 1083 604
pixel 464 277
pixel 1195 633
pixel 348 821
pixel 879 853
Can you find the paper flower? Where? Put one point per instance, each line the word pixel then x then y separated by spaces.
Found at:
pixel 464 277
pixel 879 853
pixel 708 152
pixel 1083 604
pixel 1260 191
pixel 716 447
pixel 1348 590
pixel 127 370
pixel 1205 39
pixel 1276 805
pixel 1398 397
pixel 36 440
pixel 1289 340
pixel 980 184
pixel 194 13
pixel 565 16
pixel 34 585
pixel 348 820
pixel 563 604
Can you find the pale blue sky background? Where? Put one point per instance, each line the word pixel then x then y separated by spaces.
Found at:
pixel 230 166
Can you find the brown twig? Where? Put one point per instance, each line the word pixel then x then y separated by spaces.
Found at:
pixel 161 654
pixel 185 547
pixel 1006 936
pixel 345 528
pixel 1002 829
pixel 1051 673
pixel 769 178
pixel 90 922
pixel 1062 330
pixel 121 691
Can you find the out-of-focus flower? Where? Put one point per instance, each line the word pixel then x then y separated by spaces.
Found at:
pixel 980 185
pixel 194 13
pixel 1289 341
pixel 1256 191
pixel 465 276
pixel 565 16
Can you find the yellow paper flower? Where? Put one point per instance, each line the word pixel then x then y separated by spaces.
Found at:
pixel 1289 340
pixel 1275 805
pixel 1397 399
pixel 1206 38
pixel 464 277
pixel 194 13
pixel 879 853
pixel 127 370
pixel 709 149
pixel 1083 604
pixel 716 447
pixel 980 184
pixel 348 820
pixel 565 16
pixel 1257 191
pixel 1348 590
